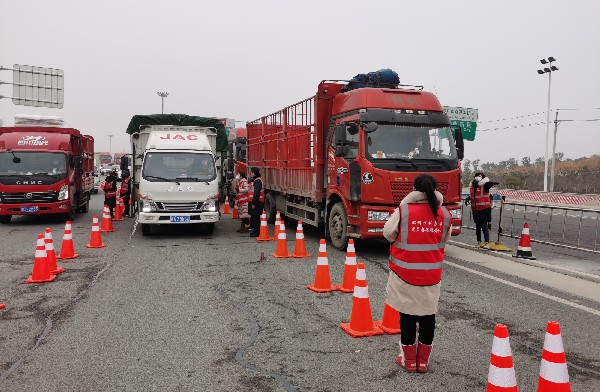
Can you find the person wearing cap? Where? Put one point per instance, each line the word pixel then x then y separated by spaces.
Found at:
pixel 481 207
pixel 110 192
pixel 256 203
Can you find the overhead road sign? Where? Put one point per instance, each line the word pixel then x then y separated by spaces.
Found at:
pixel 37 86
pixel 466 118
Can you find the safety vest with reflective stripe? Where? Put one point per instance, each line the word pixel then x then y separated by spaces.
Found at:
pixel 125 186
pixel 261 197
pixel 480 199
pixel 109 189
pixel 417 255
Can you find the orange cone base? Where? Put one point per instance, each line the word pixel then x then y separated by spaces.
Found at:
pixel 316 290
pixel 50 279
pixel 361 334
pixel 2 306
pixel 57 271
pixel 116 219
pixel 494 388
pixel 300 256
pixel 95 246
pixel 524 256
pixel 107 231
pixel 76 255
pixel 545 385
pixel 340 287
pixel 264 239
pixel 288 256
pixel 389 331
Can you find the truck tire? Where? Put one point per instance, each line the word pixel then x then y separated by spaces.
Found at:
pixel 270 208
pixel 4 219
pixel 338 223
pixel 86 207
pixel 146 230
pixel 207 228
pixel 70 216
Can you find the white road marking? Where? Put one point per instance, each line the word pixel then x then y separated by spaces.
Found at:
pixel 527 289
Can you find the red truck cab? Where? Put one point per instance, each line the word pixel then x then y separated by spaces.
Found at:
pixel 45 170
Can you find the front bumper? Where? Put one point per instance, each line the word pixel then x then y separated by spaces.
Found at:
pixel 162 218
pixel 58 207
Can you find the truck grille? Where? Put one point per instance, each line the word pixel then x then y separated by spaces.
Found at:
pixel 401 189
pixel 29 197
pixel 179 207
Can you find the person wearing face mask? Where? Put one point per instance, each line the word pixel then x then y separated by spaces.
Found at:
pixel 481 206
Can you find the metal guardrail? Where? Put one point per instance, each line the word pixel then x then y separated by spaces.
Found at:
pixel 567 227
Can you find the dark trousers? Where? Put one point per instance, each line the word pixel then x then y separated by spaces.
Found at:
pixel 408 326
pixel 255 217
pixel 126 203
pixel 111 202
pixel 482 226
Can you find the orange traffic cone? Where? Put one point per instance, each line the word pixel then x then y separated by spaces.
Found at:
pixel 2 306
pixel 40 272
pixel 106 221
pixel 554 375
pixel 322 283
pixel 501 376
pixel 119 210
pixel 361 319
pixel 67 250
pixel 263 235
pixel 226 208
pixel 96 237
pixel 347 285
pixel 236 213
pixel 282 250
pixel 390 322
pixel 300 246
pixel 524 248
pixel 277 226
pixel 51 254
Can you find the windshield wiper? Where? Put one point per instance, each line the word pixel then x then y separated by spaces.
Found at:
pixel 436 161
pixel 164 179
pixel 407 161
pixel 196 179
pixel 46 174
pixel 16 175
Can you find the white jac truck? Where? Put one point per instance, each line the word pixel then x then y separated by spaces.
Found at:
pixel 175 176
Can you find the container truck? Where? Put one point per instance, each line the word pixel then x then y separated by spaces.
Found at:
pixel 45 170
pixel 104 158
pixel 174 170
pixel 344 158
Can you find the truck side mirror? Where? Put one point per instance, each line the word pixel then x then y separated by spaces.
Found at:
pixel 78 162
pixel 339 135
pixel 124 162
pixel 459 141
pixel 370 127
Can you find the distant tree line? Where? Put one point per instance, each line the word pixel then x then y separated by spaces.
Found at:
pixel 580 175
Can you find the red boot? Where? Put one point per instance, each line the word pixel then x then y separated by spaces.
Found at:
pixel 408 358
pixel 423 353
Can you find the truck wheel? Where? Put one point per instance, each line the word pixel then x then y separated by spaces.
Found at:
pixel 146 230
pixel 4 219
pixel 270 208
pixel 70 216
pixel 338 223
pixel 85 208
pixel 207 228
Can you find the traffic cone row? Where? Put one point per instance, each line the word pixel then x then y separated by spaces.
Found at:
pixel 361 320
pixel 119 209
pixel 107 225
pixel 263 234
pixel 322 283
pixel 226 208
pixel 95 237
pixel 300 246
pixel 41 271
pixel 524 248
pixel 554 375
pixel 67 250
pixel 282 250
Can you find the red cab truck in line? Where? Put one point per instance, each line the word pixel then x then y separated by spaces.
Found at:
pixel 45 170
pixel 344 160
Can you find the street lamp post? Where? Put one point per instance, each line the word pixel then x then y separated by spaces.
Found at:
pixel 549 71
pixel 163 95
pixel 554 154
pixel 110 144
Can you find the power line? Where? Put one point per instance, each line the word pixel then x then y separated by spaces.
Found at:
pixel 512 126
pixel 513 118
pixel 581 109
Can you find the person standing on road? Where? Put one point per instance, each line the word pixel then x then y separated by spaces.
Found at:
pixel 110 192
pixel 242 202
pixel 125 192
pixel 481 207
pixel 417 231
pixel 257 200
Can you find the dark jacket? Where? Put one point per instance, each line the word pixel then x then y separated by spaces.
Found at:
pixel 257 189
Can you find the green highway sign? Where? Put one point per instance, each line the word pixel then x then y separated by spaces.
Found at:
pixel 465 118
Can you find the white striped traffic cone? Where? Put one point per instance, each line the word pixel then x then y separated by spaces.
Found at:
pixel 67 250
pixel 524 248
pixel 554 375
pixel 501 376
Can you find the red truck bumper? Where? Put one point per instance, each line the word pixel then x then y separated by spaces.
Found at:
pixel 59 207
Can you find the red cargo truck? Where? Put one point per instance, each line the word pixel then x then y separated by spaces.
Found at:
pixel 45 170
pixel 345 159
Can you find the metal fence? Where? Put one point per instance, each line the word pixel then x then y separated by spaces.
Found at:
pixel 567 227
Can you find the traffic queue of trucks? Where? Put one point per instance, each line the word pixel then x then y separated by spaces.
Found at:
pixel 342 160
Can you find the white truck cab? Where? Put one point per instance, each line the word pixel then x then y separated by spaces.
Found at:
pixel 176 176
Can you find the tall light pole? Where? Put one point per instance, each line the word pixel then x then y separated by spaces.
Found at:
pixel 549 71
pixel 110 144
pixel 163 95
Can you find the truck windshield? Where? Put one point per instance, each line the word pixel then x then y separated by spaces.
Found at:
pixel 178 166
pixel 390 141
pixel 34 164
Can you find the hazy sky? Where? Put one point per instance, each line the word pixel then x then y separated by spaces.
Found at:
pixel 244 59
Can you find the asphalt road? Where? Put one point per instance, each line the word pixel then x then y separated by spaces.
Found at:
pixel 182 311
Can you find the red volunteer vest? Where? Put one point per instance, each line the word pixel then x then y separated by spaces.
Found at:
pixel 125 186
pixel 109 191
pixel 417 255
pixel 480 199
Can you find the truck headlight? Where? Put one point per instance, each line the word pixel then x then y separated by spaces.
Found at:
pixel 63 194
pixel 210 206
pixel 378 215
pixel 148 207
pixel 455 214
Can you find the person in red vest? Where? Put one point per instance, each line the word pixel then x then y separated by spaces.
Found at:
pixel 125 192
pixel 481 207
pixel 110 192
pixel 417 231
pixel 256 201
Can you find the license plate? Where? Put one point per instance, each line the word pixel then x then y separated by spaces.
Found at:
pixel 180 218
pixel 30 209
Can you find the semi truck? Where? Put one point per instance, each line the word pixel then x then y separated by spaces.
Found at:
pixel 174 170
pixel 45 170
pixel 344 158
pixel 104 158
